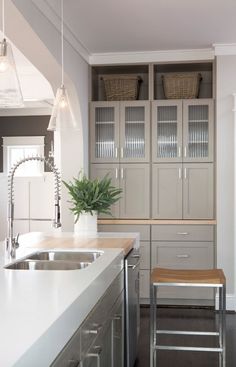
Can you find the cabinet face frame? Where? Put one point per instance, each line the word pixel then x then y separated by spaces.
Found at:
pixel 186 105
pixel 166 103
pixel 146 106
pixel 93 107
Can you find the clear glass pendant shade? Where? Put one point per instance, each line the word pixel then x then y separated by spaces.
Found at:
pixel 10 91
pixel 62 117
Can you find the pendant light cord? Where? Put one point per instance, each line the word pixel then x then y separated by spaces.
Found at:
pixel 62 42
pixel 3 18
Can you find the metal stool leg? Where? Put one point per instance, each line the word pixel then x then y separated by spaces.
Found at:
pixel 224 325
pixel 155 327
pixel 220 325
pixel 151 323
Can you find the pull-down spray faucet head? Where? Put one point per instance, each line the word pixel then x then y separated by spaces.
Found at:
pixel 11 241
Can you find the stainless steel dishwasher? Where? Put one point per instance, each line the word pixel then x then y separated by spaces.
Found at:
pixel 132 311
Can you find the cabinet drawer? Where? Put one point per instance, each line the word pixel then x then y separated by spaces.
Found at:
pixel 179 232
pixel 179 255
pixel 71 352
pixel 145 255
pixel 144 284
pixel 98 316
pixel 144 230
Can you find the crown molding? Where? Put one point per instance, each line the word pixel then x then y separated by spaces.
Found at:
pixel 224 49
pixel 151 56
pixel 49 12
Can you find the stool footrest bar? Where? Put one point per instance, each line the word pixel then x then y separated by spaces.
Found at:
pixel 193 349
pixel 176 332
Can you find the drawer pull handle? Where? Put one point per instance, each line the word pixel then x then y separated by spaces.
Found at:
pixel 182 233
pixel 97 350
pixel 135 256
pixel 117 317
pixel 183 256
pixel 133 267
pixel 97 328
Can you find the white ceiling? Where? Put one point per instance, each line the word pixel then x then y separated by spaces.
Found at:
pixel 106 26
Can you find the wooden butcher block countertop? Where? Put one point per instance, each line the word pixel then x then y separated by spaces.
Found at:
pixel 96 243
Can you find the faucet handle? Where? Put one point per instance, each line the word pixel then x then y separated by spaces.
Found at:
pixel 7 243
pixel 16 242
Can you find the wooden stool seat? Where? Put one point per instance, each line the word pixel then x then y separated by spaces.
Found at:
pixel 210 276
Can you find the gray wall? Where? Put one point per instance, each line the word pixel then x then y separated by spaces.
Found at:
pixel 25 126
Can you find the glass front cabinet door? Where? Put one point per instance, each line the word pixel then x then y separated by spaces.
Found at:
pixel 104 132
pixel 134 131
pixel 167 131
pixel 198 132
pixel 120 132
pixel 182 130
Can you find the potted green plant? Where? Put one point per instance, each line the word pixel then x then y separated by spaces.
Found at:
pixel 90 198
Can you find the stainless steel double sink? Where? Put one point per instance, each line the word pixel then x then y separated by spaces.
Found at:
pixel 56 260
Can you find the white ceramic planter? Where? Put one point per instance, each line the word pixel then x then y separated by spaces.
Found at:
pixel 86 225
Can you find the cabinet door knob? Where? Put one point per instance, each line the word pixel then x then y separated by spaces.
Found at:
pixel 116 152
pixel 122 152
pixel 182 233
pixel 122 173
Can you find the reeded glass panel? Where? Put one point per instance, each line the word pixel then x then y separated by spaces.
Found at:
pixel 198 131
pixel 105 132
pixel 167 141
pixel 134 132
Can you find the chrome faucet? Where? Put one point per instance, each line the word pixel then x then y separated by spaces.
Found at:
pixel 12 242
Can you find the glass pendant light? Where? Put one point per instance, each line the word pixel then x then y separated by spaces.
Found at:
pixel 10 91
pixel 62 117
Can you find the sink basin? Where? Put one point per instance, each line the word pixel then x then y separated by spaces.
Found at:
pixel 75 256
pixel 47 265
pixel 56 260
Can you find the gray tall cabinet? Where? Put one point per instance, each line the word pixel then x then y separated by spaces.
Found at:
pixel 119 145
pixel 182 155
pixel 161 153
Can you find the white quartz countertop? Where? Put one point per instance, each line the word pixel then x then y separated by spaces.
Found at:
pixel 40 310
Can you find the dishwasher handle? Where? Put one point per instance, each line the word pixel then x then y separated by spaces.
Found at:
pixel 134 266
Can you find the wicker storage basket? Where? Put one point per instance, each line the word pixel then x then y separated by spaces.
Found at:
pixel 121 87
pixel 181 85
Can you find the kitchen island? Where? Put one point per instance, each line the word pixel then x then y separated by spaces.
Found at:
pixel 41 310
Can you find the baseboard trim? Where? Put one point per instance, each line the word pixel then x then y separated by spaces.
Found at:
pixel 230 302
